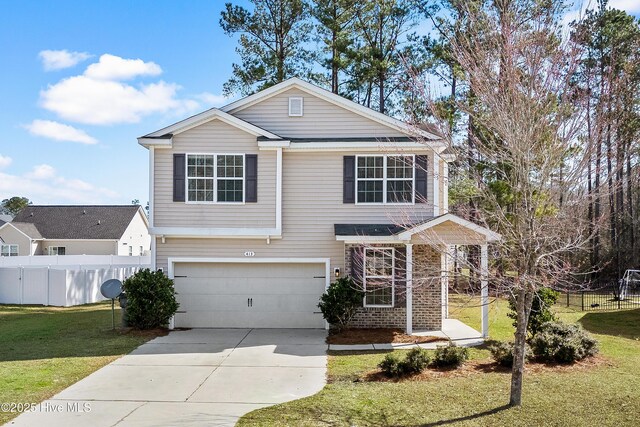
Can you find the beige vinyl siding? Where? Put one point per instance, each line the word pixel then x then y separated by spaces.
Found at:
pixel 10 236
pixel 449 233
pixel 321 118
pixel 312 204
pixel 82 247
pixel 214 137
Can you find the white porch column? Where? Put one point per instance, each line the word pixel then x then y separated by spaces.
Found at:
pixel 484 288
pixel 409 285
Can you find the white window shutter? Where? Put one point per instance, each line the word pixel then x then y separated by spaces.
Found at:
pixel 296 106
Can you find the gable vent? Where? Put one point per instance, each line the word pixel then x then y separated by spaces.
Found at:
pixel 296 106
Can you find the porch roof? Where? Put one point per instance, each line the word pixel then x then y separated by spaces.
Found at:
pixel 390 233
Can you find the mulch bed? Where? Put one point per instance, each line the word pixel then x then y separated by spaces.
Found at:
pixel 378 336
pixel 487 366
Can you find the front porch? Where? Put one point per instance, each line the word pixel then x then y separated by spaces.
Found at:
pixel 452 329
pixel 405 270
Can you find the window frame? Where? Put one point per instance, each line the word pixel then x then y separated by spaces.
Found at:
pixel 385 180
pixel 393 277
pixel 50 248
pixel 214 178
pixel 10 245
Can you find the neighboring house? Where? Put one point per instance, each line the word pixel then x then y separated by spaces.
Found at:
pixel 76 230
pixel 257 206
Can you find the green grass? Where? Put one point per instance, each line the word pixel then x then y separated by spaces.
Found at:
pixel 603 395
pixel 43 350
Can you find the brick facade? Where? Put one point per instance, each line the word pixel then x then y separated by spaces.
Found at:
pixel 427 292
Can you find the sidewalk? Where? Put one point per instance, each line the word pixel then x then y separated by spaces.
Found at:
pixel 452 329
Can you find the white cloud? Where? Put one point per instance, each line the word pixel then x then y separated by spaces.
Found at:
pixel 111 67
pixel 42 172
pixel 60 59
pixel 59 132
pixel 43 185
pixel 212 100
pixel 99 98
pixel 631 6
pixel 5 161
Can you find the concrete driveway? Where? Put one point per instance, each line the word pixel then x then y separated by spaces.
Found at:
pixel 199 377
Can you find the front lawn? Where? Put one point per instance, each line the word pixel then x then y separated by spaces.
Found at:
pixel 607 394
pixel 43 350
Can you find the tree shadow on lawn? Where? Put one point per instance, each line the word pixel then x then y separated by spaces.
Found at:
pixel 623 323
pixel 467 417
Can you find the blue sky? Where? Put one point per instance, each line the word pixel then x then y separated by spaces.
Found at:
pixel 98 74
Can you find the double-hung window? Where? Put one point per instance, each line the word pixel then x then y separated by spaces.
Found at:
pixel 215 178
pixel 385 179
pixel 8 250
pixel 378 277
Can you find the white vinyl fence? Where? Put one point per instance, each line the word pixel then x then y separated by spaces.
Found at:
pixel 75 260
pixel 62 285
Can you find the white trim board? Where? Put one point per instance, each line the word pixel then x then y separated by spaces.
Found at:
pixel 197 120
pixel 217 233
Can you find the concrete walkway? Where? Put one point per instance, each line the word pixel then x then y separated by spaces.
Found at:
pixel 199 377
pixel 452 329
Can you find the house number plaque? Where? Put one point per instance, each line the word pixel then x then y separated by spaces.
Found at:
pixel 249 253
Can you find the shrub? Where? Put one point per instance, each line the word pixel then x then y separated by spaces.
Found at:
pixel 540 309
pixel 151 299
pixel 450 356
pixel 563 343
pixel 415 361
pixel 502 353
pixel 390 365
pixel 339 304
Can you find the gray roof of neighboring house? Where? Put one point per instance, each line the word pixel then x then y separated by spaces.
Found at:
pixel 77 222
pixel 27 228
pixel 368 229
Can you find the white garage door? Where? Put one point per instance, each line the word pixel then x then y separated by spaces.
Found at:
pixel 252 295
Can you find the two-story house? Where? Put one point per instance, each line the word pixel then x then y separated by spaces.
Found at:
pixel 257 206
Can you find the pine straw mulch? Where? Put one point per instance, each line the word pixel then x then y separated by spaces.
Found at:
pixel 475 367
pixel 378 336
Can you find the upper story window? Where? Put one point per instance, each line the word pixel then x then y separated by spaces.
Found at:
pixel 385 179
pixel 57 250
pixel 8 250
pixel 378 278
pixel 215 178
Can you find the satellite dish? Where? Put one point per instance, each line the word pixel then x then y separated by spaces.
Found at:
pixel 111 289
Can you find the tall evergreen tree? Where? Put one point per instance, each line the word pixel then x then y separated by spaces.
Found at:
pixel 335 33
pixel 272 44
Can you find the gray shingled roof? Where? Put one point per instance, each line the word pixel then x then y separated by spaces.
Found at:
pixel 78 222
pixel 367 229
pixel 27 228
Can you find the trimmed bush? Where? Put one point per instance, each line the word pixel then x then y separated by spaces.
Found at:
pixel 563 343
pixel 390 365
pixel 502 353
pixel 151 299
pixel 540 309
pixel 415 361
pixel 450 356
pixel 340 303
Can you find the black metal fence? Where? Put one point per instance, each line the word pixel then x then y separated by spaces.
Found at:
pixel 609 297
